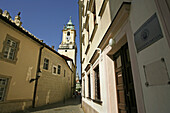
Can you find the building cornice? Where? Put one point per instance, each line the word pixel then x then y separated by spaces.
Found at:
pixel 31 36
pixel 117 22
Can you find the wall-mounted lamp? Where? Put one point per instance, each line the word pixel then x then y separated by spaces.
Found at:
pixel 39 74
pixel 112 42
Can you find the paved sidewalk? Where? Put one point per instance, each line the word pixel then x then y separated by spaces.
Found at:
pixel 70 106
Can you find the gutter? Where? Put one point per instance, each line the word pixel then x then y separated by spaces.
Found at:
pixel 37 76
pixel 19 29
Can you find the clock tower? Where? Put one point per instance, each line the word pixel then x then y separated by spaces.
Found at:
pixel 68 46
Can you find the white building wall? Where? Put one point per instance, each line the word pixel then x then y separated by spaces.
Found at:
pixel 156 98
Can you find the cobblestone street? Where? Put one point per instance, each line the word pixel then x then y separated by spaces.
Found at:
pixel 72 105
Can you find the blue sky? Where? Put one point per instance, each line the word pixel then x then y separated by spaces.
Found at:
pixel 45 18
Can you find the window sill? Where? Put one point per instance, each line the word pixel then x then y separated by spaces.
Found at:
pixel 87 48
pixel 89 98
pixel 94 31
pixel 8 60
pixel 87 20
pixel 91 5
pixel 98 101
pixel 87 6
pixel 103 8
pixel 45 69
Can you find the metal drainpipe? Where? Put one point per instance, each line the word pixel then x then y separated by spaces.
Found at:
pixel 37 77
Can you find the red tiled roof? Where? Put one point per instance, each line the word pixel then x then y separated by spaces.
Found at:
pixel 65 57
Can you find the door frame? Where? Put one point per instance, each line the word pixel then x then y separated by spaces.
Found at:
pixel 121 53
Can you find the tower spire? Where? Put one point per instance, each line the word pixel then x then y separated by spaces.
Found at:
pixel 68 41
pixel 70 18
pixel 70 24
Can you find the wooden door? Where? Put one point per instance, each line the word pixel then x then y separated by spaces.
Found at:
pixel 124 82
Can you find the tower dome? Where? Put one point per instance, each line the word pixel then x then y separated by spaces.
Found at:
pixel 70 25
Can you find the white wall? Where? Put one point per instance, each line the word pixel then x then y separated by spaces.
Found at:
pixel 156 98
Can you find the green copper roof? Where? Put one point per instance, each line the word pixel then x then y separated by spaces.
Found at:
pixel 69 25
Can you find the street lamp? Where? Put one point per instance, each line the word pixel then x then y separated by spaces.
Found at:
pixel 39 74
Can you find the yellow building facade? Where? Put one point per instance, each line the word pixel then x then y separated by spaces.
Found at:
pixel 54 85
pixel 18 64
pixel 31 73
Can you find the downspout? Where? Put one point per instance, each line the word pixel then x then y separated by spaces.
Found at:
pixel 37 76
pixel 72 91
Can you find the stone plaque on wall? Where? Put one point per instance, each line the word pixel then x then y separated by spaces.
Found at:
pixel 156 73
pixel 148 33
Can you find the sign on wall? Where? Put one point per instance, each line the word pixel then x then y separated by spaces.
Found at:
pixel 148 33
pixel 156 73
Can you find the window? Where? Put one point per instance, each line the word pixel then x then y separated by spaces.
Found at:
pixel 84 87
pixel 54 70
pixel 64 73
pixel 89 86
pixel 68 33
pixel 97 83
pixel 88 32
pixel 10 49
pixel 3 85
pixel 59 69
pixel 94 12
pixel 46 63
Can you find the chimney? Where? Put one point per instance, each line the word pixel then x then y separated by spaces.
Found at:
pixel 6 14
pixel 52 47
pixel 17 20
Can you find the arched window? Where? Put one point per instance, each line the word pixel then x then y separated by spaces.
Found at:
pixel 68 33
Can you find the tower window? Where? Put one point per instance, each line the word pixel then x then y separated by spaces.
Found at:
pixel 68 33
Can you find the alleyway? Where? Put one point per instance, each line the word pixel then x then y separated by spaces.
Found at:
pixel 72 105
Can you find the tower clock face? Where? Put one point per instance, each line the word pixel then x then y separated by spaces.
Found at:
pixel 68 37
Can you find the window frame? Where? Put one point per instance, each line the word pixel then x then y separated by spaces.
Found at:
pixel 59 70
pixel 6 87
pixel 89 86
pixel 97 80
pixel 64 73
pixel 84 87
pixel 44 64
pixel 54 66
pixel 16 49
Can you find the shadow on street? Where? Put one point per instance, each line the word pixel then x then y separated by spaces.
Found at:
pixel 67 106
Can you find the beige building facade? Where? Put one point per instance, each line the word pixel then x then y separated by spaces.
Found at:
pixel 18 64
pixel 125 55
pixel 54 85
pixel 31 73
